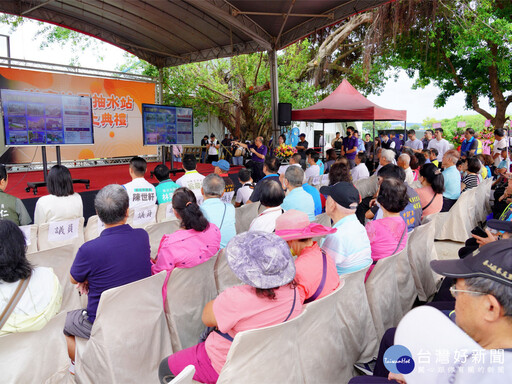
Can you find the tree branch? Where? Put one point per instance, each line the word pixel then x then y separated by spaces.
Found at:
pixel 219 93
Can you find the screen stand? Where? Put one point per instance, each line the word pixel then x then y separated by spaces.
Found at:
pixel 35 185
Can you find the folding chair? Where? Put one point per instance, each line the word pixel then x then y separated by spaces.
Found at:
pixel 30 233
pixel 55 234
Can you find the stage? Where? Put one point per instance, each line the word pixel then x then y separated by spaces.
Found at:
pixel 99 177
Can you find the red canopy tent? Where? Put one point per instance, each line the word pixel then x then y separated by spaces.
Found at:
pixel 347 104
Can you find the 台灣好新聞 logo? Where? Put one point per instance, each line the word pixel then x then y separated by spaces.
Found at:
pixel 398 359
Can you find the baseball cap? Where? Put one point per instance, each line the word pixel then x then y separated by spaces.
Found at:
pixel 222 164
pixel 500 225
pixel 492 261
pixel 343 193
pixel 302 135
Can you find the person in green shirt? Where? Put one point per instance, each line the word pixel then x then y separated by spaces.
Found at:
pixel 165 189
pixel 11 208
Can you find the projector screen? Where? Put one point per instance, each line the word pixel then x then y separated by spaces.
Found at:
pixel 46 119
pixel 164 125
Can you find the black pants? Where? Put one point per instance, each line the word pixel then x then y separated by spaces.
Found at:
pixel 447 204
pixel 257 171
pixel 212 158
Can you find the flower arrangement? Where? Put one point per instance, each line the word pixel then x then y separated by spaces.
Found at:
pixel 284 152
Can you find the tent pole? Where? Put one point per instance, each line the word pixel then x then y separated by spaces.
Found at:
pixel 274 93
pixel 374 149
pixel 323 138
pixel 405 130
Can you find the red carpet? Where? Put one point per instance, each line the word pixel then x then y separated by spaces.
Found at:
pixel 99 177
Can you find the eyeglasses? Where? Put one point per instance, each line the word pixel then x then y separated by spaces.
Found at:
pixel 454 291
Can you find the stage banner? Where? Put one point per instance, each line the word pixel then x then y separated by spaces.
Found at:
pixel 117 117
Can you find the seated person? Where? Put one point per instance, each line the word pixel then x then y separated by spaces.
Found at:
pixel 388 235
pixel 40 294
pixel 13 208
pixel 316 197
pixel 470 180
pixel 502 167
pixel 431 192
pixel 349 246
pixel 451 179
pixel 296 197
pixel 263 262
pixel 62 203
pixel 330 159
pixel 119 256
pixel 222 169
pixel 245 191
pixel 340 171
pixel 360 171
pixel 215 210
pixel 316 274
pixel 194 243
pixel 140 191
pixel 166 187
pixel 272 196
pixel 192 179
pixel 403 162
pixel 433 157
pixel 295 160
pixel 270 170
pixel 313 169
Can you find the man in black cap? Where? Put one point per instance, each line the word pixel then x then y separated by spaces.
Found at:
pixel 349 246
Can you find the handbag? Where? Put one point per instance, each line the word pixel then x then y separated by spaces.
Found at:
pixel 13 302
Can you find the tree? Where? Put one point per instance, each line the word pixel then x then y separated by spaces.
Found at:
pixel 459 45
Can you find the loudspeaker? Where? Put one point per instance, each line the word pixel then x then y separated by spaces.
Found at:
pixel 284 113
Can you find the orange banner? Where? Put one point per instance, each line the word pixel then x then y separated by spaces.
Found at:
pixel 117 117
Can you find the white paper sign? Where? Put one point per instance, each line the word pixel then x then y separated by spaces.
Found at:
pixel 63 230
pixel 169 212
pixel 325 179
pixel 316 180
pixel 101 226
pixel 26 232
pixel 144 215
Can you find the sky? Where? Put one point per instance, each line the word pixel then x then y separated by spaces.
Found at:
pixel 396 95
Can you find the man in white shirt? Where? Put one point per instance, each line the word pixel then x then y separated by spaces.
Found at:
pixel 314 169
pixel 192 179
pixel 245 191
pixel 414 143
pixel 272 196
pixel 213 149
pixel 500 141
pixel 294 160
pixel 360 171
pixel 140 191
pixel 440 144
pixel 403 162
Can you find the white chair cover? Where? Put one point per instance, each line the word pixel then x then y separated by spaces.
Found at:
pixel 34 357
pixel 460 220
pixel 188 291
pixel 186 376
pixel 320 342
pixel 358 331
pixel 367 187
pixel 164 213
pixel 482 196
pixel 245 214
pixel 265 355
pixel 325 180
pixel 421 250
pixel 93 228
pixel 157 230
pixel 44 242
pixel 383 295
pixel 405 281
pixel 129 337
pixel 142 216
pixel 224 276
pixel 323 219
pixel 60 259
pixel 30 233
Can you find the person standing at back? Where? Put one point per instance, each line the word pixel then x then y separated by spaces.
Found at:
pixel 11 208
pixel 140 191
pixel 440 145
pixel 213 149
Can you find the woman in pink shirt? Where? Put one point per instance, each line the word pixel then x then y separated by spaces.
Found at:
pixel 264 263
pixel 194 243
pixel 316 275
pixel 389 234
pixel 431 192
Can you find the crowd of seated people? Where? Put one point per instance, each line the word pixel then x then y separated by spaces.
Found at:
pixel 275 285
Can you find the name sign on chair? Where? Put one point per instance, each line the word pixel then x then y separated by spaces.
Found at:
pixel 316 180
pixel 26 232
pixel 63 230
pixel 169 213
pixel 144 215
pixel 101 226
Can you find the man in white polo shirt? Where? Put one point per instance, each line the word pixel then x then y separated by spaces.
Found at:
pixel 140 191
pixel 192 179
pixel 440 144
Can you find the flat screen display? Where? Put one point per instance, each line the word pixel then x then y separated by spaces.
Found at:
pixel 46 119
pixel 164 125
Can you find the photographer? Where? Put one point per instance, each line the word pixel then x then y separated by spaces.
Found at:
pixel 213 149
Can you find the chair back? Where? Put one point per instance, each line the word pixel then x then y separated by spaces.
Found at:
pixel 224 276
pixel 30 233
pixel 265 355
pixel 405 281
pixel 141 216
pixel 165 212
pixel 157 230
pixel 245 214
pixel 367 187
pixel 383 296
pixel 60 259
pixel 360 342
pixel 93 228
pixel 129 337
pixel 57 233
pixel 456 225
pixel 188 291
